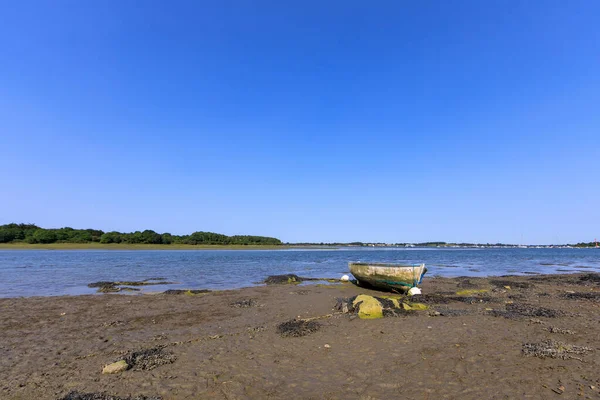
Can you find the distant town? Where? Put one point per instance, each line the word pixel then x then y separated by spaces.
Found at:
pixel 593 244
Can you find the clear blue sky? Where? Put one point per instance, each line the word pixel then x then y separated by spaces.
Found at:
pixel 309 121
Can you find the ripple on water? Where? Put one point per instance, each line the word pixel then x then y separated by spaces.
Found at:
pixel 31 273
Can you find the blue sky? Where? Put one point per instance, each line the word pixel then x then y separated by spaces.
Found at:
pixel 309 121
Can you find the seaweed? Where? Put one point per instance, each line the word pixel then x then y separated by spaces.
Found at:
pixel 301 292
pixel 113 323
pixel 148 359
pixel 118 286
pixel 466 284
pixel 103 396
pixel 245 303
pixel 559 280
pixel 397 312
pixel 472 299
pixel 582 296
pixel 257 329
pixel 145 282
pixel 555 329
pixel 100 284
pixel 516 284
pixel 297 328
pixel 454 312
pixel 433 298
pixel 553 349
pixel 591 277
pixel 471 292
pixel 188 291
pixel 517 296
pixel 518 310
pixel 285 279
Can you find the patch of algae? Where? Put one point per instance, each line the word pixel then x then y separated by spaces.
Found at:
pixel 369 307
pixel 469 292
pixel 194 293
pixel 394 298
pixel 414 306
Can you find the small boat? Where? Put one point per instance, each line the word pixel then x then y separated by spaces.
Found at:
pixel 395 277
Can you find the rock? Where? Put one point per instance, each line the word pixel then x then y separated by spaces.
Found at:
pixel 115 367
pixel 369 307
pixel 345 278
pixel 327 346
pixel 289 279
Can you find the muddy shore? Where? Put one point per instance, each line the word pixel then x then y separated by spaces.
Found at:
pixel 534 337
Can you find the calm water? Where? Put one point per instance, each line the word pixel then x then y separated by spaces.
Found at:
pixel 51 272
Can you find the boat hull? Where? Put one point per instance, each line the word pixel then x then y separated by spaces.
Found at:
pixel 395 277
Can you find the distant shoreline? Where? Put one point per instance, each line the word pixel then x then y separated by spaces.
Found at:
pixel 140 246
pixel 121 246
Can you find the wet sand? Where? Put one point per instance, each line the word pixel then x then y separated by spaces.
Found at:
pixel 226 345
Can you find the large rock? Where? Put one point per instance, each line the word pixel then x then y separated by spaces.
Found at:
pixel 371 307
pixel 368 307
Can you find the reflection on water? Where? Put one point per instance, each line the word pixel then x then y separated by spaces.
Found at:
pixel 52 272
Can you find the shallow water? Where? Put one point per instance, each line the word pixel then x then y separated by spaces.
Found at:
pixel 53 272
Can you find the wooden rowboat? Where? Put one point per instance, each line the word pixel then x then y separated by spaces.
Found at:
pixel 396 277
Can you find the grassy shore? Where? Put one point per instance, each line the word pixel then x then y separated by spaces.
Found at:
pixel 123 246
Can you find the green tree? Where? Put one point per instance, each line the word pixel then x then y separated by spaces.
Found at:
pixel 81 236
pixel 111 237
pixel 44 236
pixel 151 237
pixel 166 238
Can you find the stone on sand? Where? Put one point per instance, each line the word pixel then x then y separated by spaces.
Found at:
pixel 368 307
pixel 115 367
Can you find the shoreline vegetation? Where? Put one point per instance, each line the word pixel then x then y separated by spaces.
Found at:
pixel 141 246
pixel 30 236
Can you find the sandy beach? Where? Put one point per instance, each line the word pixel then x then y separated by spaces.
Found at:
pixel 534 337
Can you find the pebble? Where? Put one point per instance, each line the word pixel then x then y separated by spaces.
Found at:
pixel 115 367
pixel 327 346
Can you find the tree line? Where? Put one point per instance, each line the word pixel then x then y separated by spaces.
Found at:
pixel 33 234
pixel 583 244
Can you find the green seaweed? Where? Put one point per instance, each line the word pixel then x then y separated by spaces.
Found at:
pixel 470 292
